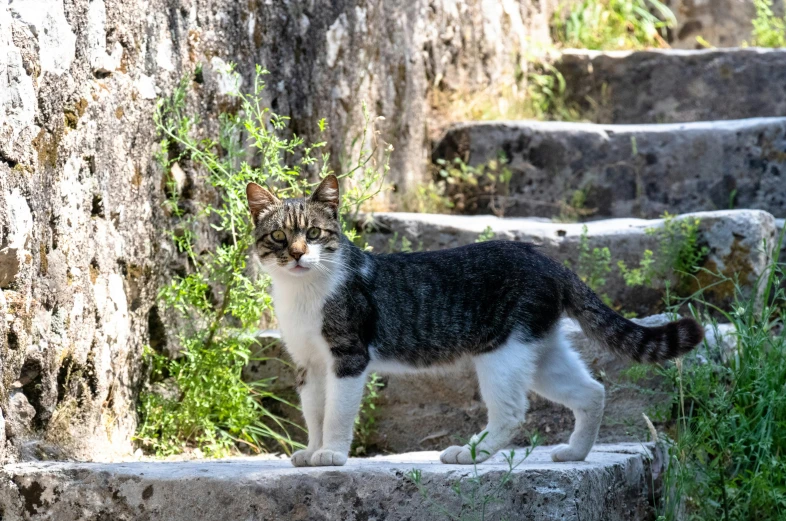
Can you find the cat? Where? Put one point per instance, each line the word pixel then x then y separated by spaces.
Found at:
pixel 344 312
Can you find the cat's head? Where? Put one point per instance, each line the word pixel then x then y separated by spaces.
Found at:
pixel 296 237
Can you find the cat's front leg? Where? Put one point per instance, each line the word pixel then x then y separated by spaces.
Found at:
pixel 345 384
pixel 311 387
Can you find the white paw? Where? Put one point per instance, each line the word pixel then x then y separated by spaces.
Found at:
pixel 566 453
pixel 462 455
pixel 327 458
pixel 301 458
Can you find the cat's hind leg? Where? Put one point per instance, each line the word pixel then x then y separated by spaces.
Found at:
pixel 504 376
pixel 562 377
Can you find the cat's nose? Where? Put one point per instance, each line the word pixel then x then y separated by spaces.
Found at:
pixel 296 254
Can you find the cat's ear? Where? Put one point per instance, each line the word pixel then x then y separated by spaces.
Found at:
pixel 327 192
pixel 259 199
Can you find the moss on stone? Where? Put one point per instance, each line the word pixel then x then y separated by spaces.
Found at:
pixel 46 145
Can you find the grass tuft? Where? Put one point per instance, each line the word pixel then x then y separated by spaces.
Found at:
pixel 613 24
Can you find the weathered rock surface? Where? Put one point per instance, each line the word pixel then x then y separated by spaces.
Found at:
pixel 670 86
pixel 734 238
pixel 81 245
pixel 629 170
pixel 614 484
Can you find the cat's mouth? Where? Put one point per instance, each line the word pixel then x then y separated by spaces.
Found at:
pixel 298 269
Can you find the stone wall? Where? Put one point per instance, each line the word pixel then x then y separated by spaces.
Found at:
pixel 82 251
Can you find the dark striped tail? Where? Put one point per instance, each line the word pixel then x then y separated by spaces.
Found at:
pixel 643 344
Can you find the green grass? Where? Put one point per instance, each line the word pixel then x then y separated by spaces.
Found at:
pixel 613 24
pixel 728 457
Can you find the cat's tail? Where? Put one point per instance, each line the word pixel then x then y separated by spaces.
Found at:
pixel 643 344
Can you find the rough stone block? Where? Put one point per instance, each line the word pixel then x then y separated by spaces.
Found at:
pixel 665 86
pixel 629 170
pixel 616 483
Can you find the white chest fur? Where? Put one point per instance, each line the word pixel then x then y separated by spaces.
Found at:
pixel 299 308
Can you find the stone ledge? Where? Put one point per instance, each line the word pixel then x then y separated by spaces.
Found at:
pixel 660 86
pixel 613 484
pixel 625 170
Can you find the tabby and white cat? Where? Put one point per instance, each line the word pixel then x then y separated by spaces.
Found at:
pixel 344 312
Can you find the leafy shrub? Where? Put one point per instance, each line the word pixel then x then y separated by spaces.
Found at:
pixel 547 94
pixel 218 306
pixel 466 188
pixel 769 30
pixel 679 252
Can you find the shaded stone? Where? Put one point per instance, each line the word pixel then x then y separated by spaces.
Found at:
pixel 722 23
pixel 628 170
pixel 20 415
pixel 670 86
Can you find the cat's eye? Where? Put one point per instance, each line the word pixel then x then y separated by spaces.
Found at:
pixel 313 233
pixel 279 236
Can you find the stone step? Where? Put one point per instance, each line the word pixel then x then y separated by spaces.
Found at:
pixel 597 171
pixel 615 483
pixel 734 240
pixel 664 86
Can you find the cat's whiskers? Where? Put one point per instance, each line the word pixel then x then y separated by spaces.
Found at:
pixel 342 265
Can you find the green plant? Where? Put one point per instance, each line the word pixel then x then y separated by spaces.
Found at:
pixel 613 24
pixel 679 247
pixel 366 420
pixel 546 89
pixel 574 208
pixel 474 493
pixel 468 188
pixel 769 30
pixel 402 246
pixel 594 264
pixel 486 235
pixel 427 198
pixel 728 457
pixel 641 276
pixel 217 306
pixel 679 252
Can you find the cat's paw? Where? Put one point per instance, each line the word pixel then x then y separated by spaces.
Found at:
pixel 462 455
pixel 327 458
pixel 302 458
pixel 566 453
